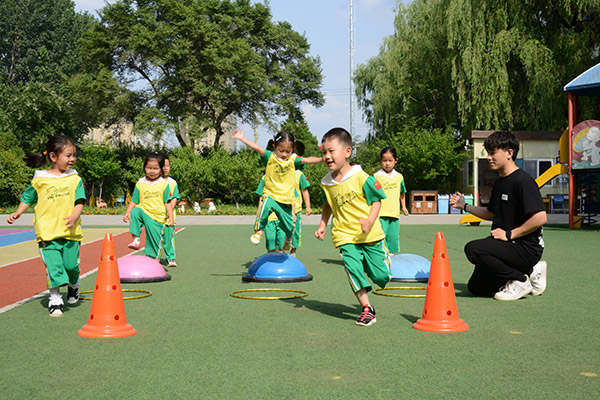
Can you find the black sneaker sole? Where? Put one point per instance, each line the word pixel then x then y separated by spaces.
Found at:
pixel 371 322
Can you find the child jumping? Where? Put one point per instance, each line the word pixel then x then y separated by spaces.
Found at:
pixel 168 234
pixel 274 236
pixel 395 191
pixel 354 199
pixel 58 197
pixel 150 207
pixel 278 194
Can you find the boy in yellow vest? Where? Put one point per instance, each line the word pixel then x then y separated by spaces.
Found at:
pixel 354 199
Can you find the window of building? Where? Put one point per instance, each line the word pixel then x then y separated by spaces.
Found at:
pixel 537 166
pixel 467 173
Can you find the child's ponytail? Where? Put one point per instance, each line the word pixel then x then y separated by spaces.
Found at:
pixel 56 145
pixel 299 148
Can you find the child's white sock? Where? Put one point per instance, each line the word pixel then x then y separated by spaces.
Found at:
pixel 76 285
pixel 55 297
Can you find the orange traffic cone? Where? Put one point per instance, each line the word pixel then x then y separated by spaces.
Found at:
pixel 107 316
pixel 440 313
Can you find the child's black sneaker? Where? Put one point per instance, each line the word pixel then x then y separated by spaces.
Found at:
pixel 367 317
pixel 72 295
pixel 56 310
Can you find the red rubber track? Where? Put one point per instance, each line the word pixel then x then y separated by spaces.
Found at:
pixel 25 279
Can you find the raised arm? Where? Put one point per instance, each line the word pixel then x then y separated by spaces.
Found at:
pixel 239 135
pixel 311 160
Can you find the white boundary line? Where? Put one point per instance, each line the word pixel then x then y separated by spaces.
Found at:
pixel 45 292
pixel 31 258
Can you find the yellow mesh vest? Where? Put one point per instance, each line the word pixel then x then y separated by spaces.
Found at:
pixel 152 198
pixel 390 206
pixel 349 205
pixel 279 179
pixel 56 200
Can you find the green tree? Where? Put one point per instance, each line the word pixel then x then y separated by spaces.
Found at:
pixel 198 63
pixel 38 40
pixel 481 64
pixel 191 173
pixel 34 111
pixel 97 165
pixel 233 176
pixel 14 174
pixel 427 158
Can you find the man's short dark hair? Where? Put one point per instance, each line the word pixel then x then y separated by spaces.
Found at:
pixel 502 140
pixel 342 135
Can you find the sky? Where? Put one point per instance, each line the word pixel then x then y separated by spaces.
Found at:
pixel 325 24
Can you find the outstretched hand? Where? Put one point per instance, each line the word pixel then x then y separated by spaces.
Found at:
pixel 239 135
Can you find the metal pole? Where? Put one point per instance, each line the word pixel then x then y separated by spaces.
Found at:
pixel 351 40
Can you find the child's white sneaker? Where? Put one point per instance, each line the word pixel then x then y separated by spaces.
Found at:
pixel 56 310
pixel 287 245
pixel 171 263
pixel 256 237
pixel 135 245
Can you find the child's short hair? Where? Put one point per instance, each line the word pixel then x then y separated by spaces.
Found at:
pixel 342 135
pixel 502 140
pixel 56 144
pixel 390 150
pixel 155 156
pixel 285 137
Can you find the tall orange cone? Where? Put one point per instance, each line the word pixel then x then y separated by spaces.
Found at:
pixel 440 313
pixel 107 316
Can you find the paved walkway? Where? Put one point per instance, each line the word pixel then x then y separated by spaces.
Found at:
pixel 183 220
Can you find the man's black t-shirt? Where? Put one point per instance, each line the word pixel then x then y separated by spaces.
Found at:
pixel 514 198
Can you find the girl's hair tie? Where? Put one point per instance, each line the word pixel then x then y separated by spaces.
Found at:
pixel 45 152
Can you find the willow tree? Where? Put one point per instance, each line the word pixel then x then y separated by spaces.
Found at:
pixel 480 64
pixel 192 64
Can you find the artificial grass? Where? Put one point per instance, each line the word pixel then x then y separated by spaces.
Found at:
pixel 195 341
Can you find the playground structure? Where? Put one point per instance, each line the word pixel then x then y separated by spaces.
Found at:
pixel 579 156
pixel 584 149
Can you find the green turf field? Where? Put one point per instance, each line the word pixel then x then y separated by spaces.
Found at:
pixel 194 341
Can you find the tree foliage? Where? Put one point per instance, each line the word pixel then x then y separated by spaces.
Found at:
pixel 97 165
pixel 193 64
pixel 481 64
pixel 38 40
pixel 427 158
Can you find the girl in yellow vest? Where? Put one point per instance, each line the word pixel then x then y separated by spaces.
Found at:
pixel 278 193
pixel 393 186
pixel 150 207
pixel 168 234
pixel 58 197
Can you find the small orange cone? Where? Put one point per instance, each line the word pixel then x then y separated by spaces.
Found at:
pixel 440 313
pixel 107 316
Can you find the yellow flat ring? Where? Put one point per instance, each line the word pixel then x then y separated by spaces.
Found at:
pixel 148 294
pixel 236 295
pixel 414 296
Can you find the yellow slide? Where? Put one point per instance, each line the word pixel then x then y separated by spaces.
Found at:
pixel 551 173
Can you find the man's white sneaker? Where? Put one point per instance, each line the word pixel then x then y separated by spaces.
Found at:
pixel 514 290
pixel 538 278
